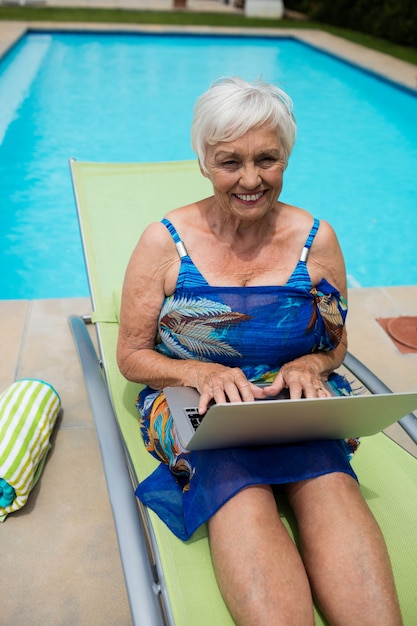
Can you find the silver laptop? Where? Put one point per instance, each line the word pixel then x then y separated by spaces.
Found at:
pixel 283 420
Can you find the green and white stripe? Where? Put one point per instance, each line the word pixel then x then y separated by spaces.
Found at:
pixel 28 411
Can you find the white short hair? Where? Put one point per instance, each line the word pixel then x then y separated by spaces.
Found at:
pixel 232 106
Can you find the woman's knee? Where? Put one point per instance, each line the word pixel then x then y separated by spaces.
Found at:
pixel 324 494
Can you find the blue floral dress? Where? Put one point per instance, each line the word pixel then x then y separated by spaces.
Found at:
pixel 258 329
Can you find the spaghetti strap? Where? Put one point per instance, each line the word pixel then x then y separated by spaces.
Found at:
pixel 181 249
pixel 306 250
pixel 189 275
pixel 300 276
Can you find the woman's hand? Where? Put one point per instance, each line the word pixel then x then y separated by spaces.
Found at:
pixel 222 384
pixel 301 378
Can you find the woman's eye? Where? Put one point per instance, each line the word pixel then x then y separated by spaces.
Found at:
pixel 267 160
pixel 230 163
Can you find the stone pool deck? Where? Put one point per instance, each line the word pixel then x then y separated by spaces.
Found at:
pixel 60 561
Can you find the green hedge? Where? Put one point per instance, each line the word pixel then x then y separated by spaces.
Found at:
pixel 394 20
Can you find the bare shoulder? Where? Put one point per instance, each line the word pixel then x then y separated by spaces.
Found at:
pixel 326 259
pixel 155 242
pixel 326 238
pixel 297 224
pixel 154 233
pixel 153 254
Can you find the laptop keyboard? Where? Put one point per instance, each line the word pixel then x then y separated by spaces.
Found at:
pixel 194 416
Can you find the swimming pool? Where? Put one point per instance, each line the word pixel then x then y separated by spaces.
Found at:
pixel 125 97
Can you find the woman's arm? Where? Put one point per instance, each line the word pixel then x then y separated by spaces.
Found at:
pixel 150 271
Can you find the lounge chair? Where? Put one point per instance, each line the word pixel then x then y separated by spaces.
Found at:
pixel 169 581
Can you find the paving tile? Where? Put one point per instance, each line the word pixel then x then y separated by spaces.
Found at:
pixel 387 66
pixel 49 353
pixel 9 35
pixel 371 344
pixel 13 315
pixel 62 560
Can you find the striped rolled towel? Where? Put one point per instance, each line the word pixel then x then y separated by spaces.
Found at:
pixel 28 412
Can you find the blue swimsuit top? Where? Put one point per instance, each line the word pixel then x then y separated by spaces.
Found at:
pixel 256 328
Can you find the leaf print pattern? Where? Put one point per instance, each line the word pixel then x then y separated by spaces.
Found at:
pixel 194 327
pixel 161 441
pixel 330 308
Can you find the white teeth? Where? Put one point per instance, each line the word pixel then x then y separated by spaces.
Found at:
pixel 250 198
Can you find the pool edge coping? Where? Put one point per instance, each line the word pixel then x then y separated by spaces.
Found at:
pixel 378 63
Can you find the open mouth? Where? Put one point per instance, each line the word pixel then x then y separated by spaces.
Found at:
pixel 250 197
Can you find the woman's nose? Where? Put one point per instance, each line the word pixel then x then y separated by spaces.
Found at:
pixel 250 177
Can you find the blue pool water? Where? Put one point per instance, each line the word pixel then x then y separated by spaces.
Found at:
pixel 101 97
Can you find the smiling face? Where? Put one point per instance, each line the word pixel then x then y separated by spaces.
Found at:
pixel 247 173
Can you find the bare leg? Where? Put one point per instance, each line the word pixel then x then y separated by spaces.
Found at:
pixel 258 567
pixel 344 552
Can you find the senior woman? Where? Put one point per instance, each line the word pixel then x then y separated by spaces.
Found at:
pixel 226 293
